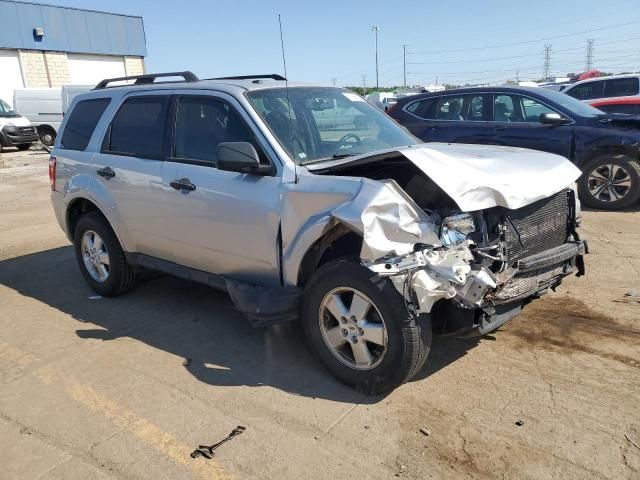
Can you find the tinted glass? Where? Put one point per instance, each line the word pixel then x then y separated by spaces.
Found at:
pixel 138 128
pixel 475 110
pixel 503 109
pixel 532 109
pixel 450 108
pixel 625 108
pixel 202 123
pixel 620 87
pixel 82 121
pixel 587 90
pixel 423 108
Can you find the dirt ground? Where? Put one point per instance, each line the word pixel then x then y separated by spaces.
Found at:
pixel 100 389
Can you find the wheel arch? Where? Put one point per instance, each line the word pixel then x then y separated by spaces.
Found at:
pixel 80 206
pixel 338 242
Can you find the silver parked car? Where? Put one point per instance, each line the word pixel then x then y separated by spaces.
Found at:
pixel 368 238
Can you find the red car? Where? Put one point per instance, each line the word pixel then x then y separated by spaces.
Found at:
pixel 629 105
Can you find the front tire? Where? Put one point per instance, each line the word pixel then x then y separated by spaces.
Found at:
pixel 101 258
pixel 358 324
pixel 610 182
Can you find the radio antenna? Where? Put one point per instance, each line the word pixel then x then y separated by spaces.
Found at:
pixel 286 87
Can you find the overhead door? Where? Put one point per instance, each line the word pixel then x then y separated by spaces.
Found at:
pixel 10 74
pixel 90 69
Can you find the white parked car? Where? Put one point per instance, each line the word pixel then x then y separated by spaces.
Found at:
pixel 605 87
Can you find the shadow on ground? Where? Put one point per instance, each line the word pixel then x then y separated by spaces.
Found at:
pixel 193 321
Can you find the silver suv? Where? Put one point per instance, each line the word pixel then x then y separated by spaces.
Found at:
pixel 308 204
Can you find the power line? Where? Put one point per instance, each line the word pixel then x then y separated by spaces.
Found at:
pixel 529 41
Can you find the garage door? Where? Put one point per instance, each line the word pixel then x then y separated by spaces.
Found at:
pixel 10 74
pixel 90 69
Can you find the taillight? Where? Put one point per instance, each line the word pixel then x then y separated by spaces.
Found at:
pixel 52 172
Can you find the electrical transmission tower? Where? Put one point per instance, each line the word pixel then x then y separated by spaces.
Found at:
pixel 546 69
pixel 589 62
pixel 334 80
pixel 364 85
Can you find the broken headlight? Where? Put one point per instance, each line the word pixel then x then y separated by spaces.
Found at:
pixel 455 228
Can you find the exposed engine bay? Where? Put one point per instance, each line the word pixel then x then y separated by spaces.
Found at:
pixel 473 269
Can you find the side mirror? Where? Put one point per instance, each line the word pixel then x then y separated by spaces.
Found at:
pixel 552 119
pixel 237 157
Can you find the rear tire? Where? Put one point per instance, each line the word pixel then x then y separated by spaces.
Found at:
pixel 23 146
pixel 47 136
pixel 407 339
pixel 94 244
pixel 610 182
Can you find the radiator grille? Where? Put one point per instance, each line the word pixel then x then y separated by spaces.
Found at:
pixel 536 227
pixel 27 130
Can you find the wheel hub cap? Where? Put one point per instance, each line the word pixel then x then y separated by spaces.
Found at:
pixel 353 328
pixel 609 182
pixel 95 256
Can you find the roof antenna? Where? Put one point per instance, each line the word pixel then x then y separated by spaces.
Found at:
pixel 286 87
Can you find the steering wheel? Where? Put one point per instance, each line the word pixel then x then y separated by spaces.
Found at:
pixel 343 141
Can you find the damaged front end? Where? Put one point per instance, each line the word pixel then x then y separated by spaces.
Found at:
pixel 475 271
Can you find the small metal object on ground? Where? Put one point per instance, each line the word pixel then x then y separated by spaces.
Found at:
pixel 208 451
pixel 425 431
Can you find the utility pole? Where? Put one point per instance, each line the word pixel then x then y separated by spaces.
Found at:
pixel 404 65
pixel 546 69
pixel 364 85
pixel 376 29
pixel 334 80
pixel 517 77
pixel 589 62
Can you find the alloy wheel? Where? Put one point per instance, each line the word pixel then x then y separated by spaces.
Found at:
pixel 609 182
pixel 95 256
pixel 353 328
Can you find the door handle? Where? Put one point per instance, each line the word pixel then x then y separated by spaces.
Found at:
pixel 106 172
pixel 183 184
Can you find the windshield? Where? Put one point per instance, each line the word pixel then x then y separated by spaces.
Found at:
pixel 570 103
pixel 6 110
pixel 326 123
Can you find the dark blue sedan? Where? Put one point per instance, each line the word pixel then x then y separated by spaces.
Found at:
pixel 604 146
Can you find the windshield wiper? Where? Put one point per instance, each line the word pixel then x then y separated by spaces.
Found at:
pixel 336 156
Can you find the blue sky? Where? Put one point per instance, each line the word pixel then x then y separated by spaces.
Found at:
pixel 333 39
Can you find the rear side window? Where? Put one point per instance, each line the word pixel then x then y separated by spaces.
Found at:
pixel 620 87
pixel 138 129
pixel 82 122
pixel 587 90
pixel 423 108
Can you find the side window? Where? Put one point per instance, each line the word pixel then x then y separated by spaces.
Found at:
pixel 531 109
pixel 621 87
pixel 423 108
pixel 476 108
pixel 503 109
pixel 138 129
pixel 450 108
pixel 204 122
pixel 587 90
pixel 82 122
pixel 623 108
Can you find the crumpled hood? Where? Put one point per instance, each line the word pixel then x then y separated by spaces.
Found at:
pixel 485 176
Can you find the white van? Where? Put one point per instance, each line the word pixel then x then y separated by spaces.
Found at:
pixel 383 100
pixel 15 130
pixel 45 107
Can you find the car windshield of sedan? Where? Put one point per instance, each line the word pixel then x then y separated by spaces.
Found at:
pixel 326 123
pixel 6 110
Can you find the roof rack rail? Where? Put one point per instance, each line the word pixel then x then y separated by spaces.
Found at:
pixel 273 76
pixel 147 78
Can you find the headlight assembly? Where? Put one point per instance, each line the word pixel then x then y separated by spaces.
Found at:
pixel 455 228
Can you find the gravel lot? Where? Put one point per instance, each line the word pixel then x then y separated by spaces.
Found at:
pixel 100 389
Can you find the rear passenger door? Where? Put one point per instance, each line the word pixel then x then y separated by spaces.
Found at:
pixel 228 223
pixel 451 118
pixel 129 167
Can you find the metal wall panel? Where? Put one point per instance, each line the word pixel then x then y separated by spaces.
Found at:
pixel 70 30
